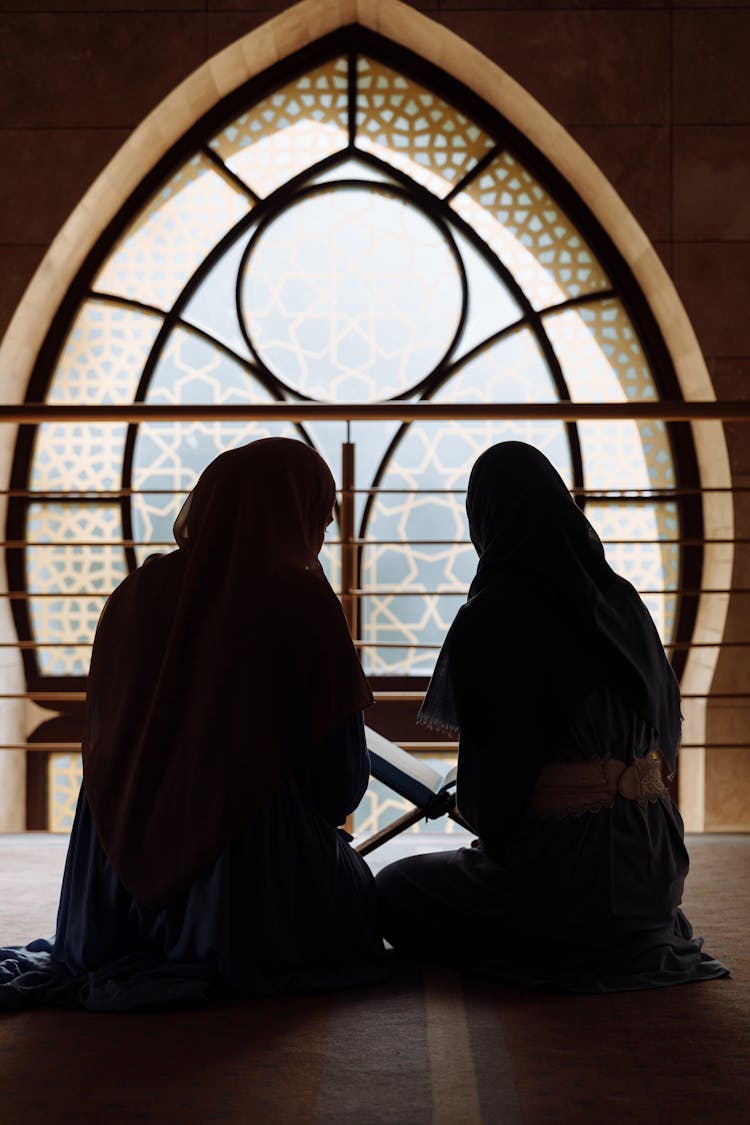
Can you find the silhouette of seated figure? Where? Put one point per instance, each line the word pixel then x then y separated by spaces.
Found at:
pixel 223 744
pixel 555 680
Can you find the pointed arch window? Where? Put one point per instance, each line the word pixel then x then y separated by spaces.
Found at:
pixel 351 226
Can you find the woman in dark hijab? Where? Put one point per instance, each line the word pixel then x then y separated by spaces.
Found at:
pixel 567 710
pixel 223 745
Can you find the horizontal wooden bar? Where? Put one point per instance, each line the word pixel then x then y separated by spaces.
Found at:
pixel 46 747
pixel 25 595
pixel 24 544
pixel 61 595
pixel 611 542
pixel 435 648
pixel 363 644
pixel 632 494
pixel 678 593
pixel 379 696
pixel 664 410
pixel 452 745
pixel 427 747
pixel 591 493
pixel 437 745
pixel 52 495
pixel 45 644
pixel 418 696
pixel 47 696
pixel 397 644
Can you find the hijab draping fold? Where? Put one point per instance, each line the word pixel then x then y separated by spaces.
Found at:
pixel 216 669
pixel 523 520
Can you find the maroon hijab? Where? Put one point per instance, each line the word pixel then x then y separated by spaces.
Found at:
pixel 216 669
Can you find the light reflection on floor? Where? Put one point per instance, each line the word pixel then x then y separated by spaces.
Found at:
pixel 416 843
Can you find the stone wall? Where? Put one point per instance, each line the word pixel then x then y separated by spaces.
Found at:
pixel 657 94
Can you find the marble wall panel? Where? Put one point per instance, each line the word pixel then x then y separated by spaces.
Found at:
pixel 636 159
pixel 48 170
pixel 224 27
pixel 78 69
pixel 17 266
pixel 544 5
pixel 713 280
pixel 731 377
pixel 728 788
pixel 711 182
pixel 76 75
pixel 710 4
pixel 585 67
pixel 711 49
pixel 102 5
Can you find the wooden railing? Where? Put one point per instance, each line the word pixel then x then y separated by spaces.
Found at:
pixel 350 545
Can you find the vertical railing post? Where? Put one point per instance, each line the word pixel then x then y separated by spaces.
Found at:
pixel 348 546
pixel 348 554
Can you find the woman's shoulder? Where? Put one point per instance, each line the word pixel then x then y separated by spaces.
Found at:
pixel 517 615
pixel 306 599
pixel 514 597
pixel 155 575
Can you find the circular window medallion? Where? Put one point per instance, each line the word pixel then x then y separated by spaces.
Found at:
pixel 351 294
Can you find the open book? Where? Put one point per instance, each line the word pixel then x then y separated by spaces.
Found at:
pixel 432 793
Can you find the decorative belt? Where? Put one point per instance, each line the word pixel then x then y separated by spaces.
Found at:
pixel 574 788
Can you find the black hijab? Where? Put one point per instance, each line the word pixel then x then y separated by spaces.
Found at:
pixel 216 669
pixel 523 520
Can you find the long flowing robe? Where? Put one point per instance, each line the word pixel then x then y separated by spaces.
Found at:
pixel 223 744
pixel 286 906
pixel 554 658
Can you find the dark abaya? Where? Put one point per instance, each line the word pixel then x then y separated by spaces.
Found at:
pixel 554 658
pixel 223 745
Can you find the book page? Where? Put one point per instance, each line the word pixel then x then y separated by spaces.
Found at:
pixel 404 773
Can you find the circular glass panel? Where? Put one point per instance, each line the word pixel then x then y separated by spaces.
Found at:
pixel 351 294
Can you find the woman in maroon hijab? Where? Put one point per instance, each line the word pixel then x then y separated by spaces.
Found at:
pixel 223 744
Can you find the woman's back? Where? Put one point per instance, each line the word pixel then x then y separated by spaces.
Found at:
pixel 555 679
pixel 223 745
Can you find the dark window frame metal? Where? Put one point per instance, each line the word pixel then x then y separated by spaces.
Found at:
pixel 350 42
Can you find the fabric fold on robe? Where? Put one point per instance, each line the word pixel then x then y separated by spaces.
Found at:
pixel 223 743
pixel 554 658
pixel 287 907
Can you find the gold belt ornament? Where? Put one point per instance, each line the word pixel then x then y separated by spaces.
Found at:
pixel 574 788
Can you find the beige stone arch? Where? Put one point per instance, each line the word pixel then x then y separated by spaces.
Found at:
pixel 289 31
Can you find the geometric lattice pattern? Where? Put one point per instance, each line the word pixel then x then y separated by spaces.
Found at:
pixel 169 457
pixel 103 354
pixel 637 544
pixel 172 235
pixel 78 458
pixel 600 354
pixel 414 130
pixel 351 296
pixel 100 363
pixel 398 563
pixel 74 553
pixel 346 286
pixel 297 126
pixel 530 233
pixel 603 361
pixel 64 776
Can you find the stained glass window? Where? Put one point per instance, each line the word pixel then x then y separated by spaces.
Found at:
pixel 352 233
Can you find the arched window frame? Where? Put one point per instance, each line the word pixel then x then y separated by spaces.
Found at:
pixel 692 378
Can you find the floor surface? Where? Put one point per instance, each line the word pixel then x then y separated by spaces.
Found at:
pixel 425 1048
